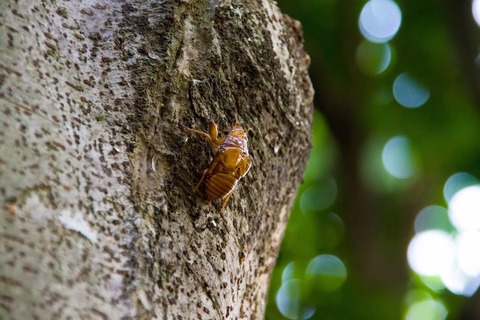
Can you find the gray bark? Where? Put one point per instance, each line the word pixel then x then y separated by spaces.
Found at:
pixel 98 219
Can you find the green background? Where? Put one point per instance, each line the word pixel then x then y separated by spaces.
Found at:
pixel 349 206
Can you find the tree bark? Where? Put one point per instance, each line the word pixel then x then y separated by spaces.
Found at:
pixel 98 219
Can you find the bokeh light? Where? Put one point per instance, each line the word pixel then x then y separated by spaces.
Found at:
pixel 417 294
pixel 320 196
pixel 290 303
pixel 330 230
pixel 427 310
pixel 397 157
pixel 468 246
pixel 431 253
pixel 459 283
pixel 327 271
pixel 408 92
pixel 433 217
pixel 476 11
pixel 403 124
pixel 373 58
pixel 450 250
pixel 464 208
pixel 457 182
pixel 380 20
pixel 291 271
pixel 434 283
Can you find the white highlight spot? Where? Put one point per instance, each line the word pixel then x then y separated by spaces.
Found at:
pixel 275 28
pixel 476 11
pixel 431 253
pixel 380 20
pixel 469 253
pixel 464 208
pixel 74 221
pixel 142 296
pixel 459 283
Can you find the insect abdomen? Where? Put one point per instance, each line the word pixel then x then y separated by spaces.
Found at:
pixel 219 185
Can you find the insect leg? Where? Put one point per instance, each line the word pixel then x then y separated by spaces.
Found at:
pixel 216 142
pixel 213 166
pixel 203 134
pixel 213 131
pixel 201 180
pixel 225 199
pixel 212 139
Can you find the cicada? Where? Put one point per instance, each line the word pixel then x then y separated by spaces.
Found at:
pixel 230 163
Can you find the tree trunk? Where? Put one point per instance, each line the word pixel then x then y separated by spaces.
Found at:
pixel 98 218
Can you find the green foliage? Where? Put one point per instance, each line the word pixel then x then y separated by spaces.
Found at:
pixel 352 206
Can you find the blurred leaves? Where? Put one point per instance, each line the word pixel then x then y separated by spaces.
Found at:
pixel 350 207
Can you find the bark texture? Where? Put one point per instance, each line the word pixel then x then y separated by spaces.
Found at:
pixel 98 220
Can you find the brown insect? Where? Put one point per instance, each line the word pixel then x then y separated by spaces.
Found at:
pixel 230 163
